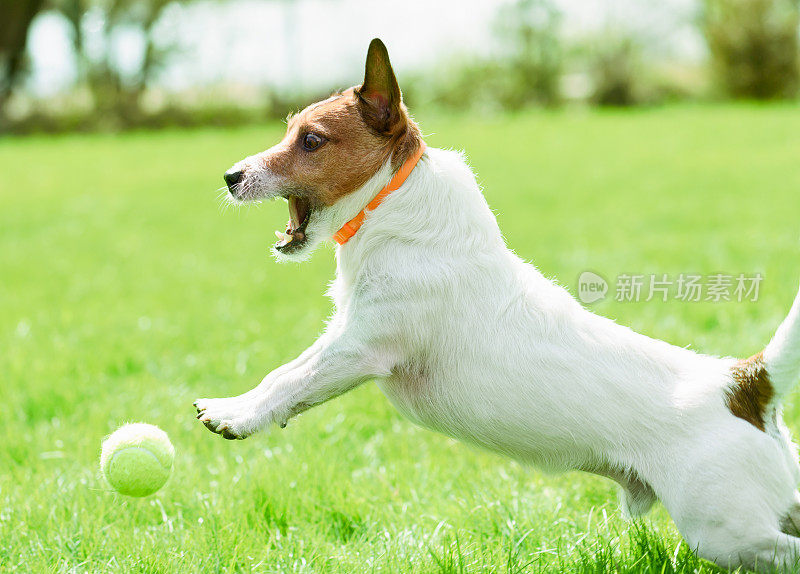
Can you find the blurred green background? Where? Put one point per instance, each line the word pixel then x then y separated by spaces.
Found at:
pixel 114 64
pixel 619 138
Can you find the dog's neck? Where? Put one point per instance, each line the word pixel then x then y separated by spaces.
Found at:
pixel 352 254
pixel 349 229
pixel 439 200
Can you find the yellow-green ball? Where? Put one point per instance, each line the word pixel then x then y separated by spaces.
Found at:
pixel 136 459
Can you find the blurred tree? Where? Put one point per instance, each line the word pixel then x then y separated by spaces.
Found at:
pixel 529 33
pixel 754 46
pixel 116 91
pixel 614 67
pixel 15 19
pixel 526 70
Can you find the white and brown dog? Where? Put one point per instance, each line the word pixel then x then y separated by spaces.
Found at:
pixel 466 339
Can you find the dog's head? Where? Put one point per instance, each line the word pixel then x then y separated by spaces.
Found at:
pixel 331 149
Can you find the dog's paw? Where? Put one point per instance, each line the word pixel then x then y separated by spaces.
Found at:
pixel 229 418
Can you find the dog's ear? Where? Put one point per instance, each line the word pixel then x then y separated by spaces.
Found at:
pixel 379 94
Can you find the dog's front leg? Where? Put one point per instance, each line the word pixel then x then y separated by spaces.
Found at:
pixel 334 364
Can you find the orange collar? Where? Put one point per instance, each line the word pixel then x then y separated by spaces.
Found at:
pixel 349 229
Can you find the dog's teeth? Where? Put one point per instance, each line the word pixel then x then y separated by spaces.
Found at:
pixel 285 238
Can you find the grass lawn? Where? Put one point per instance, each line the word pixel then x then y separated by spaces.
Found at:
pixel 126 292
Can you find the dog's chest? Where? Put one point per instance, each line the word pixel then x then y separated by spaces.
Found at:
pixel 431 398
pixel 409 389
pixel 415 389
pixel 460 409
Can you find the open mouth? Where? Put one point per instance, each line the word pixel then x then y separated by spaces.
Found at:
pixel 295 234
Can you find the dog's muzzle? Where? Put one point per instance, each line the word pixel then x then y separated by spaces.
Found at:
pixel 233 177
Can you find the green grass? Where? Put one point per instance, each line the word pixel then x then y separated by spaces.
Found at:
pixel 126 292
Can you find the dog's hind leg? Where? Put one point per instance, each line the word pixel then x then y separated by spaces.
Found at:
pixel 731 499
pixel 738 531
pixel 761 550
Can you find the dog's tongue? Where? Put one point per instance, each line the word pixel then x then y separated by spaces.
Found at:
pixel 297 211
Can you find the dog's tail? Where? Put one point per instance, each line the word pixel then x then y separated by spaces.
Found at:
pixel 782 355
pixel 759 383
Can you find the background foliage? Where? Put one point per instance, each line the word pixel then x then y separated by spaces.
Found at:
pixel 752 45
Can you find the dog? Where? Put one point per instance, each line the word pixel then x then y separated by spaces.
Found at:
pixel 466 339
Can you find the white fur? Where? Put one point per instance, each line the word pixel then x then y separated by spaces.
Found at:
pixel 259 181
pixel 466 339
pixel 782 355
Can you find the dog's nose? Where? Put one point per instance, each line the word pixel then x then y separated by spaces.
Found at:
pixel 232 177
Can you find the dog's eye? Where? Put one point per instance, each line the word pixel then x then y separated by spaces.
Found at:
pixel 311 142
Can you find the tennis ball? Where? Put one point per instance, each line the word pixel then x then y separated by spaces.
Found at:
pixel 136 459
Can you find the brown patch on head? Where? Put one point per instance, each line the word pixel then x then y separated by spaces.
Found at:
pixel 358 131
pixel 751 392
